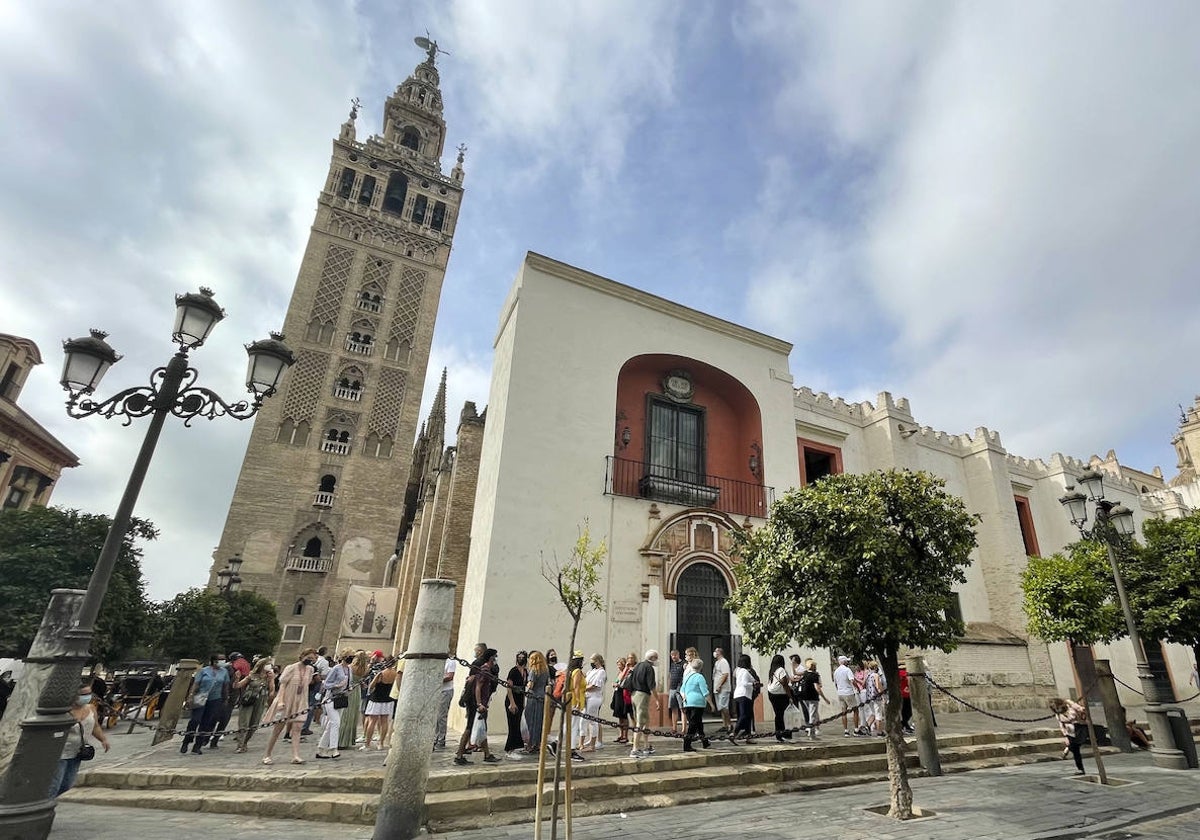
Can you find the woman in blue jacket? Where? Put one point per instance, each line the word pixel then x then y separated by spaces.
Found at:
pixel 696 697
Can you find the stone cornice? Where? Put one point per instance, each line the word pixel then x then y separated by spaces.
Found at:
pixel 563 271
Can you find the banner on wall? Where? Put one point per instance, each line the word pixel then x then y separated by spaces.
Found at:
pixel 370 614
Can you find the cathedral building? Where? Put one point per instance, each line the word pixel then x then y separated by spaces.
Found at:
pixel 664 430
pixel 317 507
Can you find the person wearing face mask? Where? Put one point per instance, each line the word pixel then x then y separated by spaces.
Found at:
pixel 514 701
pixel 207 697
pixel 85 725
pixel 288 709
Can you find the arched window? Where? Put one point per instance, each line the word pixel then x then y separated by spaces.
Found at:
pixel 410 138
pixel 393 196
pixel 438 221
pixel 298 609
pixel 367 192
pixel 419 205
pixel 312 548
pixel 332 434
pixel 347 183
pixel 328 482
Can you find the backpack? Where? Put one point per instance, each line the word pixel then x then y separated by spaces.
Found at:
pixel 560 685
pixel 757 684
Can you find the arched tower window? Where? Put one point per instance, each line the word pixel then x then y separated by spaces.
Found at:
pixel 410 138
pixel 312 548
pixel 298 609
pixel 394 195
pixel 419 205
pixel 347 183
pixel 367 192
pixel 438 220
pixel 328 482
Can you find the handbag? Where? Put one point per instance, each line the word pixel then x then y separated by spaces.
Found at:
pixel 86 751
pixel 197 699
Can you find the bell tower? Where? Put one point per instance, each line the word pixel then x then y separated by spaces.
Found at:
pixel 319 500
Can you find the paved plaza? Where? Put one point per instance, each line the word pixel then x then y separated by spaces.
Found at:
pixel 1031 802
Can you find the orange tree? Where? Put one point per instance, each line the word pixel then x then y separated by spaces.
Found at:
pixel 864 563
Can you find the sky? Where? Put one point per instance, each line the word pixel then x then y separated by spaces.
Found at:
pixel 988 208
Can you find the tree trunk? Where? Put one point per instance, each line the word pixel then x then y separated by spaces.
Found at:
pixel 562 730
pixel 901 793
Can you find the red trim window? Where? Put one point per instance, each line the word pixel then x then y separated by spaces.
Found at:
pixel 1025 518
pixel 817 460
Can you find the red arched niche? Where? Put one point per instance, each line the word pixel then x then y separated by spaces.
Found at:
pixel 732 420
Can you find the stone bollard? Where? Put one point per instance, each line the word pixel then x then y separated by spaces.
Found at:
pixel 168 718
pixel 402 800
pixel 31 736
pixel 926 737
pixel 1114 712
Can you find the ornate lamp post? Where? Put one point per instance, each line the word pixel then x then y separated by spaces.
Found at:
pixel 1110 519
pixel 24 809
pixel 228 579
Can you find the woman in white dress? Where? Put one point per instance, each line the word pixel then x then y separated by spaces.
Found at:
pixel 597 678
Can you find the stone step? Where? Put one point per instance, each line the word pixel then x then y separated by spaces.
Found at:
pixel 599 787
pixel 316 778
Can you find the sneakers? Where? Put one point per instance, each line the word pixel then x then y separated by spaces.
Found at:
pixel 649 750
pixel 576 755
pixel 636 754
pixel 846 733
pixel 460 760
pixel 490 759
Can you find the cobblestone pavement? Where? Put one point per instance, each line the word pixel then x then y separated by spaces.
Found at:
pixel 1031 802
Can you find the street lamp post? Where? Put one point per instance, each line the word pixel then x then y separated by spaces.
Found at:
pixel 25 810
pixel 228 579
pixel 1110 517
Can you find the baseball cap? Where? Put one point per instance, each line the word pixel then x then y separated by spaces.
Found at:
pixel 377 653
pixel 843 659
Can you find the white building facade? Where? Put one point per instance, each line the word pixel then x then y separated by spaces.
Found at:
pixel 663 430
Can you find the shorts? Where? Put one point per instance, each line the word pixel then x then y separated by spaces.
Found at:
pixel 674 701
pixel 847 702
pixel 722 701
pixel 641 708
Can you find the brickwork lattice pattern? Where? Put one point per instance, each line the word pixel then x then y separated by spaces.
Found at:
pixel 389 400
pixel 335 275
pixel 408 306
pixel 304 384
pixel 377 234
pixel 377 271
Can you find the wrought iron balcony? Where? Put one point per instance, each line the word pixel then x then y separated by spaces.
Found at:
pixel 354 394
pixel 370 305
pixel 360 347
pixel 336 447
pixel 636 479
pixel 323 500
pixel 300 563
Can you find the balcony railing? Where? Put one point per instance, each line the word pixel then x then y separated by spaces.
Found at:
pixel 359 347
pixel 323 500
pixel 300 563
pixel 336 447
pixel 370 305
pixel 634 478
pixel 348 393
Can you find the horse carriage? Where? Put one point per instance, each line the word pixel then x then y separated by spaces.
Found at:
pixel 139 690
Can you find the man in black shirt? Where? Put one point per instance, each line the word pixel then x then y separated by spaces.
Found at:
pixel 644 684
pixel 674 681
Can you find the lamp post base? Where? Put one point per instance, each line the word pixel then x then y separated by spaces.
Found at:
pixel 1163 750
pixel 27 821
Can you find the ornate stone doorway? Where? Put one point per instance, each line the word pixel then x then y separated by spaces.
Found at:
pixel 702 621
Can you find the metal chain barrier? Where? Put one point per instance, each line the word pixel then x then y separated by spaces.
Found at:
pixel 1143 694
pixel 973 707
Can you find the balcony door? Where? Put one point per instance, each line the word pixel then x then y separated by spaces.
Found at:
pixel 676 437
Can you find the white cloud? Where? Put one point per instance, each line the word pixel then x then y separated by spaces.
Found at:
pixel 1028 213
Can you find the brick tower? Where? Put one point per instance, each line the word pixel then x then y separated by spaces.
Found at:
pixel 320 496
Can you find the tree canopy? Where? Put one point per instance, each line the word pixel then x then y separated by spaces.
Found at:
pixel 200 622
pixel 865 564
pixel 1163 580
pixel 1071 597
pixel 45 548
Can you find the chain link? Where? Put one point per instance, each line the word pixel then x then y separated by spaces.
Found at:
pixel 972 706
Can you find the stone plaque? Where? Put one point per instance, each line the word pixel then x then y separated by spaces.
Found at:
pixel 625 611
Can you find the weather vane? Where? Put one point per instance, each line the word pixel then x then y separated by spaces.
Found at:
pixel 354 106
pixel 429 45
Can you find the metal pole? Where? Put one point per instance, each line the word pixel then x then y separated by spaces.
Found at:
pixel 1163 748
pixel 402 800
pixel 25 811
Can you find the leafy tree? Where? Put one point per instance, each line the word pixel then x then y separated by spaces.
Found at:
pixel 1162 580
pixel 57 548
pixel 1071 597
pixel 577 584
pixel 862 563
pixel 200 622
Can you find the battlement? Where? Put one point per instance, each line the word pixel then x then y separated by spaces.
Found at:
pixel 805 397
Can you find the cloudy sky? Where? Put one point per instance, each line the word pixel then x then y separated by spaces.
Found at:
pixel 992 211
